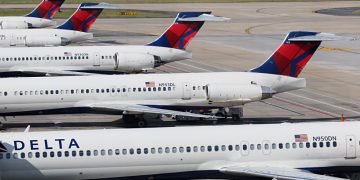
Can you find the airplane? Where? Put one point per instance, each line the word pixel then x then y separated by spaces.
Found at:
pixel 136 95
pixel 288 151
pixel 40 17
pixel 75 29
pixel 85 60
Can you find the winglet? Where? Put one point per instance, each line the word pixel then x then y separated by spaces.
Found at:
pixel 85 16
pixel 295 51
pixel 184 28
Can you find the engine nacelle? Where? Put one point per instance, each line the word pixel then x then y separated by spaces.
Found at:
pixel 33 41
pixel 14 25
pixel 133 62
pixel 237 93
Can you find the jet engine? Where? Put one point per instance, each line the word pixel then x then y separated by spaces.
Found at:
pixel 14 25
pixel 134 62
pixel 237 93
pixel 32 41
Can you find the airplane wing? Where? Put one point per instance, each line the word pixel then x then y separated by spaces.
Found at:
pixel 134 108
pixel 50 71
pixel 275 173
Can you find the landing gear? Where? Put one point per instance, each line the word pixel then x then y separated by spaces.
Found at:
pixel 140 120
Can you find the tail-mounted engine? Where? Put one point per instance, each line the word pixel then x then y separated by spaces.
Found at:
pixel 134 62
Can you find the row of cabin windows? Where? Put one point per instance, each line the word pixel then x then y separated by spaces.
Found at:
pixel 199 88
pixel 44 58
pixel 166 150
pixel 87 91
pixel 107 57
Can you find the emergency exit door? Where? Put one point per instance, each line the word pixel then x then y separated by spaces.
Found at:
pixel 186 91
pixel 350 147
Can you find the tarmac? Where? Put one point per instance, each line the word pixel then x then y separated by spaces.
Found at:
pixel 254 32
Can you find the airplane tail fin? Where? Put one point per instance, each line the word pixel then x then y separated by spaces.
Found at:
pixel 184 28
pixel 293 54
pixel 46 9
pixel 85 16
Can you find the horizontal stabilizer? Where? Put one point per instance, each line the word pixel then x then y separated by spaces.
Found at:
pixel 101 6
pixel 205 17
pixel 322 37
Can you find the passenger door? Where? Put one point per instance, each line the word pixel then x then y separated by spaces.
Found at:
pixel 96 60
pixel 186 91
pixel 350 147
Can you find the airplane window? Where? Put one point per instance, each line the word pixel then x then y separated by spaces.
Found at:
pixel 199 87
pixel 5 93
pixel 181 149
pixel 252 146
pixel 55 57
pixel 25 93
pixel 160 150
pixel 167 150
pixel 87 91
pixel 59 153
pixel 134 90
pixel 96 152
pixel 307 145
pixel 334 144
pixel 14 58
pixel 21 93
pixel 102 90
pixel 47 58
pixel 27 58
pixel 230 147
pixel 15 155
pixel 258 146
pixel 321 144
pixel 37 154
pixel 31 92
pixel 154 88
pixel 92 90
pixel 73 153
pixel 30 58
pixel 164 88
pixel 81 153
pixel 280 145
pixel 67 91
pixel 22 155
pixel 237 147
pixel 209 148
pixel 88 153
pixel 287 145
pixel 194 88
pixel 23 58
pixel 327 144
pixel 138 151
pixel 144 89
pixel 82 91
pixel 75 57
pixel 153 150
pixel 102 57
pixel 15 93
pixel 266 146
pixel 202 148
pixel 11 59
pixel 149 89
pixel 216 148
pixel 66 153
pixel 159 88
pixel 223 148
pixel 117 151
pixel 124 89
pixel 273 146
pixel 146 150
pixel 294 145
pixel 46 92
pixel 174 149
pixel 0 93
pixel 301 145
pixel 103 152
pixel 124 151
pixel 87 57
pixel 195 149
pixel 8 155
pixel 51 92
pixel 72 91
pixel 314 144
pixel 67 58
pixel 188 149
pixel 52 154
pixel 1 156
pixel 7 59
pixel 131 151
pixel 43 58
pixel 113 90
pixel 56 91
pixel 97 90
pixel 139 89
pixel 169 88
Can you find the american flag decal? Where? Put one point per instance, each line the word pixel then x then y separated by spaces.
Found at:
pixel 150 84
pixel 301 138
pixel 67 54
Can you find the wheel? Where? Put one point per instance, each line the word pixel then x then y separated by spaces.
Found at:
pixel 141 123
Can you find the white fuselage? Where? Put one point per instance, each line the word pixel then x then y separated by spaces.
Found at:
pixel 88 58
pixel 41 37
pixel 183 90
pixel 93 154
pixel 19 22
